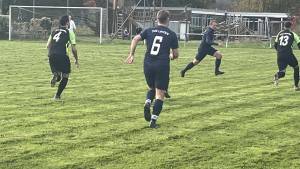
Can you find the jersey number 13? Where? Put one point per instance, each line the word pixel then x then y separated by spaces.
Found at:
pixel 284 40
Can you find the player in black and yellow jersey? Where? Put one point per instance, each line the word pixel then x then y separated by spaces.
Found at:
pixel 285 56
pixel 58 59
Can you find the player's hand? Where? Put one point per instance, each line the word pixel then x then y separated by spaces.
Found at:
pixel 77 63
pixel 172 57
pixel 130 59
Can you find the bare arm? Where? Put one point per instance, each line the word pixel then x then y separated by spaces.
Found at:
pixel 49 42
pixel 75 55
pixel 133 45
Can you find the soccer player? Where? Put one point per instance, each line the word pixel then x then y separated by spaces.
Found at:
pixel 206 49
pixel 58 59
pixel 285 56
pixel 160 40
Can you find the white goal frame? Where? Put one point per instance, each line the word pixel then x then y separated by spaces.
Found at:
pixel 58 7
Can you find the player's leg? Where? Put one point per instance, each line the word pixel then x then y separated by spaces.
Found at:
pixel 157 108
pixel 296 78
pixel 62 85
pixel 150 79
pixel 282 64
pixel 161 85
pixel 55 73
pixel 218 61
pixel 167 95
pixel 65 68
pixel 199 57
pixel 294 63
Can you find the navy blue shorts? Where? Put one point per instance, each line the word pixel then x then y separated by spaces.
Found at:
pixel 157 74
pixel 60 64
pixel 283 60
pixel 203 51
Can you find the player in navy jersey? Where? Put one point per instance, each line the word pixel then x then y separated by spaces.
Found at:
pixel 206 48
pixel 285 56
pixel 58 59
pixel 160 40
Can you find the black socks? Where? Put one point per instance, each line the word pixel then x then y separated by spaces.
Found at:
pixel 189 66
pixel 62 85
pixel 157 108
pixel 296 76
pixel 217 64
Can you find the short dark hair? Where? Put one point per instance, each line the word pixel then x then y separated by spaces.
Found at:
pixel 64 20
pixel 163 16
pixel 288 24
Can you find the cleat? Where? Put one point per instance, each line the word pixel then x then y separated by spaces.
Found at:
pixel 182 73
pixel 167 95
pixel 219 73
pixel 56 98
pixel 153 124
pixel 147 113
pixel 276 80
pixel 296 88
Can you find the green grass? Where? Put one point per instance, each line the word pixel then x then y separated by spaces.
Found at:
pixel 239 120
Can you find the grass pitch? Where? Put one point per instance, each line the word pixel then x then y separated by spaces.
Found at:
pixel 238 120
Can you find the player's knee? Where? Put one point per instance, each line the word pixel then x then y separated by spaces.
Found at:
pixel 196 62
pixel 219 55
pixel 160 94
pixel 65 75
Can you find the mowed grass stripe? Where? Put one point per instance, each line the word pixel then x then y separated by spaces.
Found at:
pixel 135 132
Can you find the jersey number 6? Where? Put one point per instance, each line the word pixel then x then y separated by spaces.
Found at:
pixel 156 45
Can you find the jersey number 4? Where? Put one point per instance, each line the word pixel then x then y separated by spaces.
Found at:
pixel 56 37
pixel 284 40
pixel 156 45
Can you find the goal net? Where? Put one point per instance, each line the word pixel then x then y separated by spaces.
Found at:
pixel 37 22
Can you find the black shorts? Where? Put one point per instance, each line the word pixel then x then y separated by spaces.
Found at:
pixel 157 74
pixel 283 60
pixel 203 51
pixel 60 64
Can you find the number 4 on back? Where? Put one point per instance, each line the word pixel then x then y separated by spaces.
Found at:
pixel 56 37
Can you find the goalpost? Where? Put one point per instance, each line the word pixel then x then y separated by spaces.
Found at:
pixel 37 22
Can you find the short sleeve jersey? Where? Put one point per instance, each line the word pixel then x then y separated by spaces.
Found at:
pixel 285 40
pixel 159 41
pixel 59 40
pixel 208 38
